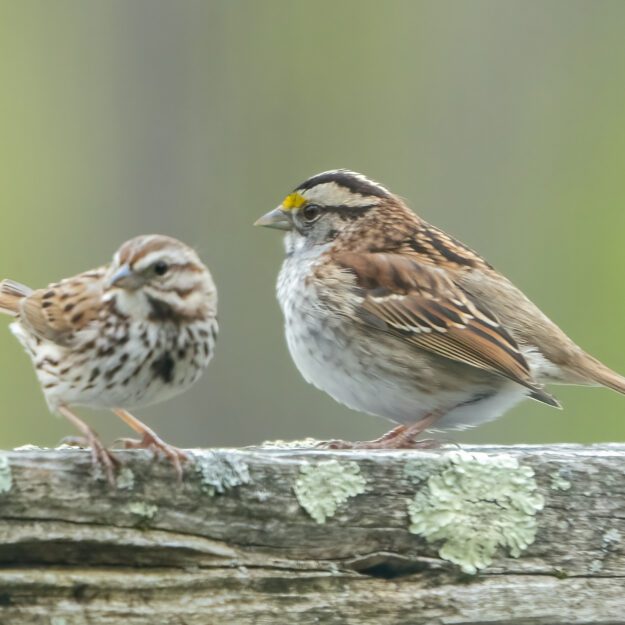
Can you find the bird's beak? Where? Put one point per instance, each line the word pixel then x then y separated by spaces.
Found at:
pixel 278 218
pixel 125 278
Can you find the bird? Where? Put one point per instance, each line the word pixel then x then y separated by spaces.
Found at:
pixel 393 317
pixel 128 334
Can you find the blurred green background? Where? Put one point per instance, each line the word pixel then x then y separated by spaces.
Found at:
pixel 501 122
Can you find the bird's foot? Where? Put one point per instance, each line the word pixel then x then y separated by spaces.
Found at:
pixel 152 441
pixel 101 458
pixel 400 437
pixel 382 443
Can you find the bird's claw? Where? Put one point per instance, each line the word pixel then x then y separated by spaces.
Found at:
pixel 101 458
pixel 154 443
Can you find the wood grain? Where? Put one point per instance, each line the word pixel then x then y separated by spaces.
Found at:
pixel 233 543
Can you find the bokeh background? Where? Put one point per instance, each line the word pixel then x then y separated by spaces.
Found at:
pixel 501 122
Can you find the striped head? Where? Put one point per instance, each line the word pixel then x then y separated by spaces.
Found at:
pixel 324 206
pixel 160 278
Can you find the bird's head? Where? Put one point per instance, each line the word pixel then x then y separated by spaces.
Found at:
pixel 162 278
pixel 330 206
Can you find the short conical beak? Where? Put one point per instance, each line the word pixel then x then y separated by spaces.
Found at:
pixel 125 278
pixel 277 218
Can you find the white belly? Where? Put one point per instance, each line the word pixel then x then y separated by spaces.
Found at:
pixel 378 373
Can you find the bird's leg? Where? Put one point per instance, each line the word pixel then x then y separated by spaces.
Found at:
pixel 400 437
pixel 100 456
pixel 151 440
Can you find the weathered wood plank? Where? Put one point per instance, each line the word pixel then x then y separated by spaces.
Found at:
pixel 397 537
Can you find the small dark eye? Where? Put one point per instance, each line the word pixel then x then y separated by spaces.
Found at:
pixel 160 268
pixel 310 212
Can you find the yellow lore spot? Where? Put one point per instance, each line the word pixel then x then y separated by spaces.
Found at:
pixel 294 200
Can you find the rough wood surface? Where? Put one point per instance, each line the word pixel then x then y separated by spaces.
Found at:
pixel 235 544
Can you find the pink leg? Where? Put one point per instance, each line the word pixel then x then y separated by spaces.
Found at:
pixel 400 437
pixel 151 440
pixel 100 456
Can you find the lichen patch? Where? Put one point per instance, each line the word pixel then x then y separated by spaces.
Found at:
pixel 324 486
pixel 416 471
pixel 304 443
pixel 125 479
pixel 559 482
pixel 611 537
pixel 142 509
pixel 476 504
pixel 220 472
pixel 6 477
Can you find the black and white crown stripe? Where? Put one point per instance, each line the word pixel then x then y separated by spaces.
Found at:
pixel 350 180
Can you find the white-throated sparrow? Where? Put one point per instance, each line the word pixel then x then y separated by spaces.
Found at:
pixel 391 316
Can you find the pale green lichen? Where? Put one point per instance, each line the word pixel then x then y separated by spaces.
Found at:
pixel 6 478
pixel 475 504
pixel 416 470
pixel 304 443
pixel 609 541
pixel 220 472
pixel 611 537
pixel 142 509
pixel 125 479
pixel 324 486
pixel 558 482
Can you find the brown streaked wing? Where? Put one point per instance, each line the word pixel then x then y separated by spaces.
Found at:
pixel 422 304
pixel 58 311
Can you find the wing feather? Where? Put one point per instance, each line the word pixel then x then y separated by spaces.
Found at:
pixel 422 304
pixel 57 312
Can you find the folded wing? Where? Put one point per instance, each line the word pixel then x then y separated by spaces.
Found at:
pixel 421 304
pixel 57 312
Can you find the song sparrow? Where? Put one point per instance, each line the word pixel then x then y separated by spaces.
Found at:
pixel 128 334
pixel 391 316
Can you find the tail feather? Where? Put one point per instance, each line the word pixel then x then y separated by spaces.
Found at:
pixel 594 370
pixel 606 377
pixel 11 294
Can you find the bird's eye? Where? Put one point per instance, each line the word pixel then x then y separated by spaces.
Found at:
pixel 310 212
pixel 160 268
